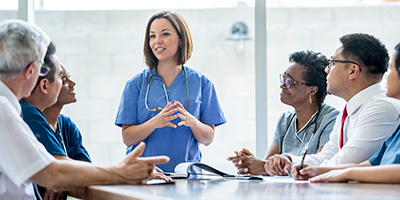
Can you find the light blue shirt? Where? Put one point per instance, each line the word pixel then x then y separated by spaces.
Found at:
pixel 389 152
pixel 177 143
pixel 294 142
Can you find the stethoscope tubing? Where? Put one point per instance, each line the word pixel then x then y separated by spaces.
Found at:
pixel 165 89
pixel 302 140
pixel 313 134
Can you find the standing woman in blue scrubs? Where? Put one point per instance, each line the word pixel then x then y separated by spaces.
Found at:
pixel 169 106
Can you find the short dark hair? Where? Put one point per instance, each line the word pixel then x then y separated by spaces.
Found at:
pixel 314 64
pixel 367 51
pixel 397 58
pixel 181 27
pixel 51 50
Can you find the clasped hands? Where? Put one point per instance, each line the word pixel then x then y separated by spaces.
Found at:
pixel 172 111
pixel 246 163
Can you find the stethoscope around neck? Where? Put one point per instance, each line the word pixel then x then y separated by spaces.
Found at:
pixel 302 140
pixel 165 90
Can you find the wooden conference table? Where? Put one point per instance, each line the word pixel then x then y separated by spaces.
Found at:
pixel 269 188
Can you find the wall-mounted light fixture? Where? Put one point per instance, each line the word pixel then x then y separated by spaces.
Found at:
pixel 239 36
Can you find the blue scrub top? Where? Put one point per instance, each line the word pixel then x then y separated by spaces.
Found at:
pixel 389 153
pixel 72 137
pixel 177 143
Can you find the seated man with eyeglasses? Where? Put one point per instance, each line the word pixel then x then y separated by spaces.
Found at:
pixel 369 117
pixel 44 95
pixel 308 126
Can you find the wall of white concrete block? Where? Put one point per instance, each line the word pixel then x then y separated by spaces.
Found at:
pixel 103 49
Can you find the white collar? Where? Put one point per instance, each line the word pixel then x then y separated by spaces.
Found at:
pixel 6 92
pixel 363 96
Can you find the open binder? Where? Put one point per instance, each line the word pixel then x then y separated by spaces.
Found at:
pixel 195 170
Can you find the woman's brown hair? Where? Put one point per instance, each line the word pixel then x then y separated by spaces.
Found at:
pixel 181 27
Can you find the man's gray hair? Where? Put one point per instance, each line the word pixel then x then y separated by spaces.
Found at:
pixel 21 43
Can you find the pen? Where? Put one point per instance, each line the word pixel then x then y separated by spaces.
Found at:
pixel 301 164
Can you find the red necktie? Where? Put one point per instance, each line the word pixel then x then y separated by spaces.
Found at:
pixel 344 116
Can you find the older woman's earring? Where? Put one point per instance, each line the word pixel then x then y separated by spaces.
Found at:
pixel 310 98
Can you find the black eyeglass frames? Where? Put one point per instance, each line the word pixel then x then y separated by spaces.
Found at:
pixel 331 61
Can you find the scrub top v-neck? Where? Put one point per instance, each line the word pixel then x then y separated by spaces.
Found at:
pixel 177 143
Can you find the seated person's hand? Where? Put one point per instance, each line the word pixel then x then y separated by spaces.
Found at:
pixel 51 194
pixel 278 165
pixel 236 160
pixel 251 165
pixel 246 163
pixel 244 152
pixel 332 176
pixel 159 174
pixel 135 169
pixel 304 174
pixel 307 172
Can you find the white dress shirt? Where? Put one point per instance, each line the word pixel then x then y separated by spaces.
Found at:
pixel 21 154
pixel 372 118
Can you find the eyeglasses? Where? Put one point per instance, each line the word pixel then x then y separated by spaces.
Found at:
pixel 288 82
pixel 44 70
pixel 330 62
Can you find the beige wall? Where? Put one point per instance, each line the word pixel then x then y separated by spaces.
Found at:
pixel 103 49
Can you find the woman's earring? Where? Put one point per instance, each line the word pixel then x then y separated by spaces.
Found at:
pixel 310 98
